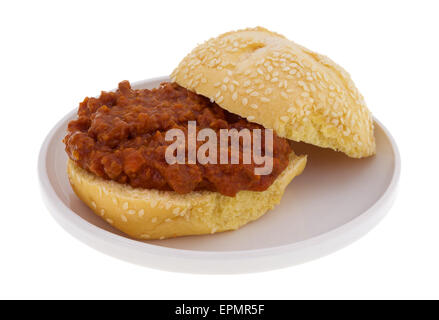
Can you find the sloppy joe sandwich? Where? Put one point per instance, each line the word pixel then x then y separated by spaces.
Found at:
pixel 212 150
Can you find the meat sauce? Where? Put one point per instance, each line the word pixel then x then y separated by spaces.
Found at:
pixel 121 136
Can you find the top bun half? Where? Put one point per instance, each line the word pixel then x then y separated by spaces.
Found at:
pixel 270 80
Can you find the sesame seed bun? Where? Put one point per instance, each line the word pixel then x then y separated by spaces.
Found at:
pixel 270 80
pixel 153 214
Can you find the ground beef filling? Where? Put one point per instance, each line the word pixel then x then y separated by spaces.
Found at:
pixel 121 136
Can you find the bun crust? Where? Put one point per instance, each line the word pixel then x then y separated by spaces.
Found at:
pixel 153 214
pixel 302 95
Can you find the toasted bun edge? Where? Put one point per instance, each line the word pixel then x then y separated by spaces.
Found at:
pixel 153 214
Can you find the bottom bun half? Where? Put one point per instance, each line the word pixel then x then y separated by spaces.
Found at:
pixel 154 214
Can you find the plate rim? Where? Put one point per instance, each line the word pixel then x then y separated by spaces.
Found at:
pixel 339 236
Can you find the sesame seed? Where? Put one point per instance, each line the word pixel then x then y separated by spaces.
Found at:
pixel 274 80
pixel 131 211
pixel 250 118
pixel 125 206
pixel 213 230
pixel 162 237
pixel 254 106
pixel 145 236
pixel 226 79
pixel 168 220
pixel 141 212
pixel 292 110
pixel 93 204
pixel 284 118
pixel 264 99
pixel 109 221
pixel 232 87
pixel 254 94
pixel 247 83
pixel 284 95
pixel 235 96
pixel 168 205
pixel 176 211
pixel 218 94
pixel 224 87
pixel 154 220
pixel 124 219
pixel 220 99
pixel 217 84
pixel 114 200
pixel 102 212
pixel 244 101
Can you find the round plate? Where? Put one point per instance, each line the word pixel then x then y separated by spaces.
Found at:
pixel 335 201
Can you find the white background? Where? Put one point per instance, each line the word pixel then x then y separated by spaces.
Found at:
pixel 53 54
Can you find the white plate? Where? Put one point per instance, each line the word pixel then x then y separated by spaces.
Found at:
pixel 335 201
